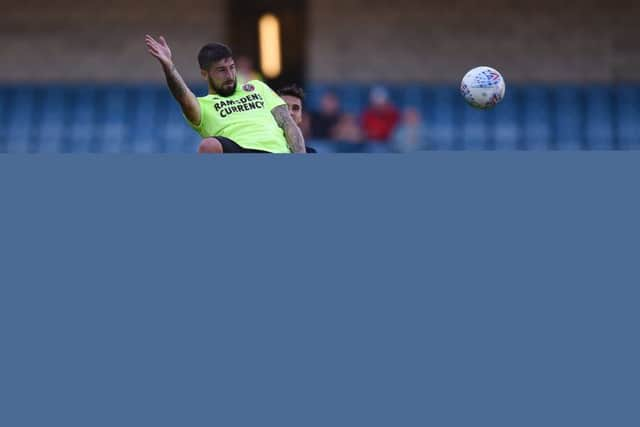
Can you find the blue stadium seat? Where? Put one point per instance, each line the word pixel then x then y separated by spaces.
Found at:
pixel 474 128
pixel 164 107
pixel 627 124
pixel 144 125
pixel 21 117
pixel 82 119
pixel 599 125
pixel 427 110
pixel 314 93
pixel 5 97
pixel 505 121
pixel 112 129
pixel 417 96
pixel 353 99
pixel 376 148
pixel 568 118
pixel 198 89
pixel 439 112
pixel 413 96
pixel 396 95
pixel 53 124
pixel 347 147
pixel 322 146
pixel 536 118
pixel 175 134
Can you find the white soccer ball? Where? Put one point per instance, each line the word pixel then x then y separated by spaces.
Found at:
pixel 483 87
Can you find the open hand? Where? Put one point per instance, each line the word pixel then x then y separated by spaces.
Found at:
pixel 159 50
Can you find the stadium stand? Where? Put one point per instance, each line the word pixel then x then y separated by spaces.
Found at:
pixel 145 119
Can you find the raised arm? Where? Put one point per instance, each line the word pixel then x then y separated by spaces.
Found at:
pixel 181 92
pixel 292 132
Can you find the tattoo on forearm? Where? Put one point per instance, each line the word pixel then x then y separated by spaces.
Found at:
pixel 295 140
pixel 177 86
pixel 292 132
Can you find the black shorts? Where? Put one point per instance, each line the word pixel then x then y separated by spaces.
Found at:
pixel 228 146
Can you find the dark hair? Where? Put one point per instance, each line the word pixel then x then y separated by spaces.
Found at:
pixel 212 53
pixel 292 90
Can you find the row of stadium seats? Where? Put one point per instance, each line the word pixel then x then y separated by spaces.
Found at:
pixel 531 117
pixel 145 119
pixel 88 118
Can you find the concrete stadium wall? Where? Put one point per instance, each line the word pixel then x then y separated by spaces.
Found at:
pixel 355 40
pixel 93 40
pixel 438 40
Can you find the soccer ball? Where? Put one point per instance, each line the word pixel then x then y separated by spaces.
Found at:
pixel 483 87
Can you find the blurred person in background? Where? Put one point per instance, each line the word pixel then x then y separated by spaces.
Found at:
pixel 347 130
pixel 246 72
pixel 411 133
pixel 294 97
pixel 380 118
pixel 305 126
pixel 324 121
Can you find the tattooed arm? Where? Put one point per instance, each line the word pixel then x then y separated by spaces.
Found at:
pixel 181 92
pixel 292 132
pixel 179 89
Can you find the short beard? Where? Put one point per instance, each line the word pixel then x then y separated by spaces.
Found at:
pixel 222 91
